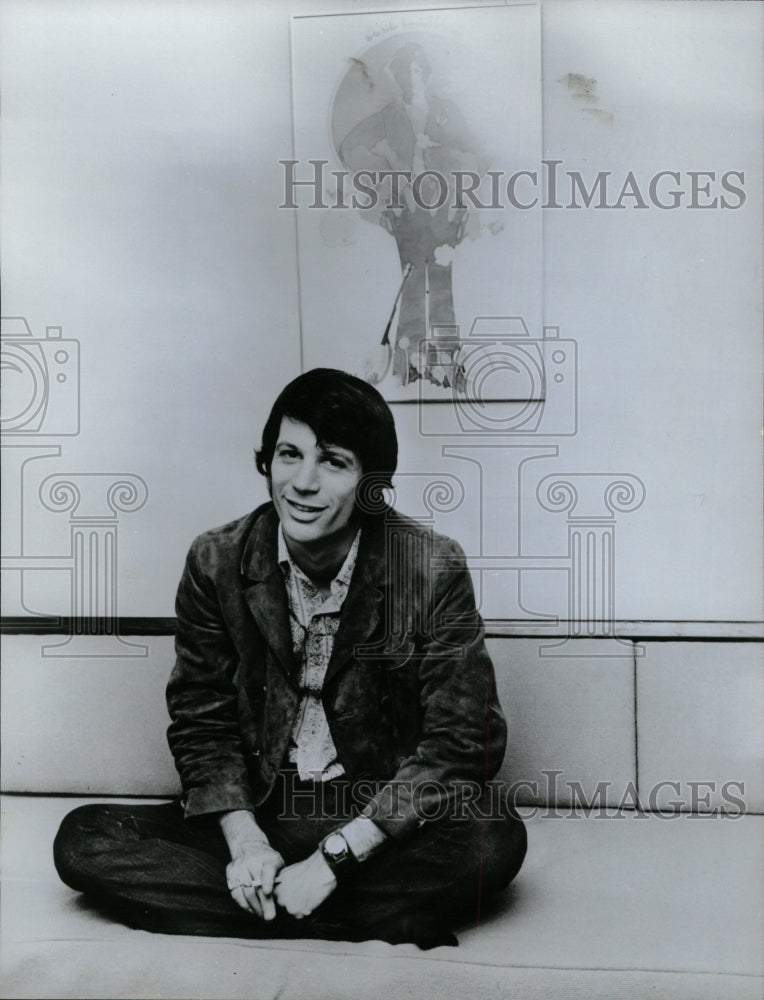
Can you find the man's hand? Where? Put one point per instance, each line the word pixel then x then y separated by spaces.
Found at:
pixel 254 863
pixel 250 877
pixel 302 887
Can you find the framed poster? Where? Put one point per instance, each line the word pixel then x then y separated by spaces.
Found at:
pixel 413 136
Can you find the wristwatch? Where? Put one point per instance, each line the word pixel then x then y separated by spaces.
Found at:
pixel 338 855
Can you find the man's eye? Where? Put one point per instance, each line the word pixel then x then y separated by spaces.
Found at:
pixel 336 462
pixel 287 453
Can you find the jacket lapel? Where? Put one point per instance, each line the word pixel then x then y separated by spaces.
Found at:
pixel 264 589
pixel 363 607
pixel 265 593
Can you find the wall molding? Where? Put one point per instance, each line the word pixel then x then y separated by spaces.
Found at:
pixel 665 631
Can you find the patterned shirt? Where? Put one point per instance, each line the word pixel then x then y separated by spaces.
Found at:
pixel 314 620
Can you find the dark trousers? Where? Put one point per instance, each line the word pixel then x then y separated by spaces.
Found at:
pixel 151 868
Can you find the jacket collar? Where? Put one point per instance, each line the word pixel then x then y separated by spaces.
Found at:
pixel 260 554
pixel 265 592
pixel 264 587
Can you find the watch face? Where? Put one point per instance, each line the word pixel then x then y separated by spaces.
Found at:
pixel 336 845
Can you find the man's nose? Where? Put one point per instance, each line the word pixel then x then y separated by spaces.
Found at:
pixel 306 477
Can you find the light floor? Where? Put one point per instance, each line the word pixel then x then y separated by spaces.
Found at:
pixel 617 907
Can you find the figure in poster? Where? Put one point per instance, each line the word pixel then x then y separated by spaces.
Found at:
pixel 423 134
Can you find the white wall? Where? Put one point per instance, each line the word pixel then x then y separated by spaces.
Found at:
pixel 140 189
pixel 684 712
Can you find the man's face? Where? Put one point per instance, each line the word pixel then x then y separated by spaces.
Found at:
pixel 312 485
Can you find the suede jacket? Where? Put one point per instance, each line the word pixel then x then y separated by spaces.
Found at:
pixel 409 692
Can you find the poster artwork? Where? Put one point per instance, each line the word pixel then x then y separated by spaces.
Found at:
pixel 403 131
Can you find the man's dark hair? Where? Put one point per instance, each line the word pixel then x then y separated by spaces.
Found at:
pixel 341 410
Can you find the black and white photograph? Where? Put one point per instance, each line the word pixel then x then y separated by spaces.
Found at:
pixel 382 550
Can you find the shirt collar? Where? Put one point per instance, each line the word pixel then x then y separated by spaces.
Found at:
pixel 345 572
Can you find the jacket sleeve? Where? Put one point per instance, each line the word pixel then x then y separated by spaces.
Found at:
pixel 202 700
pixel 462 732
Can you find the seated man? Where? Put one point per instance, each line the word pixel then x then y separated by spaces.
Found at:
pixel 334 714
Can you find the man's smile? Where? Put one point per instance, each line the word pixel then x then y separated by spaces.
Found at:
pixel 304 508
